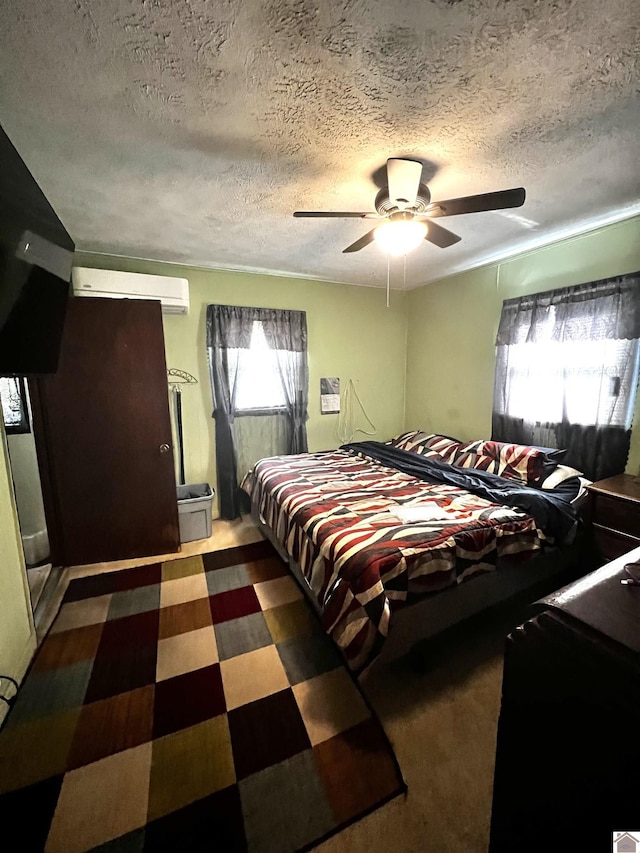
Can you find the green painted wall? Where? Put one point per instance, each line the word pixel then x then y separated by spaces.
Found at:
pixel 452 325
pixel 435 344
pixel 17 634
pixel 352 334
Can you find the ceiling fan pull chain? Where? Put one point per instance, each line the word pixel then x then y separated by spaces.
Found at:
pixel 388 269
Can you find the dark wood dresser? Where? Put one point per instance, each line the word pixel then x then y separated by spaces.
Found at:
pixel 567 769
pixel 614 510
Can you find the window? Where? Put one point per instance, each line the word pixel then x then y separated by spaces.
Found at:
pixel 258 383
pixel 15 411
pixel 258 365
pixel 580 381
pixel 567 366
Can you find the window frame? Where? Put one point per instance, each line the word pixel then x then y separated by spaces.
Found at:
pixel 279 408
pixel 543 370
pixel 247 413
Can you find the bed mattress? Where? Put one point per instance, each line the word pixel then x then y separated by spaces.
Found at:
pixel 370 538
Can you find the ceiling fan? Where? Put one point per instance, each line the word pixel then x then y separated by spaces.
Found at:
pixel 406 210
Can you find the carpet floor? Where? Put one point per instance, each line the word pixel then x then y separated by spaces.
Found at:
pixel 190 705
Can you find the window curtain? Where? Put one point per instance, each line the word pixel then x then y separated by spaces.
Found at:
pixel 229 332
pixel 286 334
pixel 567 370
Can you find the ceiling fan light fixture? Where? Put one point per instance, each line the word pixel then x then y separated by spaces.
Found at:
pixel 400 237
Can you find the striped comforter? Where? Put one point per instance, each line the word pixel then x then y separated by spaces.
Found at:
pixel 344 519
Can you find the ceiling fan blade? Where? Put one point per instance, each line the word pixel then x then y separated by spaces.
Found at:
pixel 440 236
pixel 477 203
pixel 403 177
pixel 361 243
pixel 329 214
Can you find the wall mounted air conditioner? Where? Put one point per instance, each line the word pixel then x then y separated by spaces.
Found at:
pixel 173 293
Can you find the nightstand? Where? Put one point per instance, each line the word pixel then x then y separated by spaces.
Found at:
pixel 615 514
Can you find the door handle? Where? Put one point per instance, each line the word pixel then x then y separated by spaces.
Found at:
pixel 164 448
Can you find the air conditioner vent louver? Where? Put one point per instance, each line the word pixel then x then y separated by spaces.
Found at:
pixel 172 293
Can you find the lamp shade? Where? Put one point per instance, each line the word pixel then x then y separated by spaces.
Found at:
pixel 398 238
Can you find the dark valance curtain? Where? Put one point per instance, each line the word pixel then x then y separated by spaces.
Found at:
pixel 567 370
pixel 229 335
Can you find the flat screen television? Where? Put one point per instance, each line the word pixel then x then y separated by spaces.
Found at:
pixel 36 255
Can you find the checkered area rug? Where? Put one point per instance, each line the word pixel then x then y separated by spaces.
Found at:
pixel 185 706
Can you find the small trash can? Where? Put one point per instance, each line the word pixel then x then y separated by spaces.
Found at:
pixel 194 511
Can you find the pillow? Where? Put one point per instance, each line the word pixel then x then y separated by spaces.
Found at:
pixel 568 483
pixel 441 446
pixel 553 453
pixel 561 473
pixel 470 455
pixel 412 440
pixel 525 463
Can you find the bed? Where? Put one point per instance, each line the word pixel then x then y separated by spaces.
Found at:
pixel 384 537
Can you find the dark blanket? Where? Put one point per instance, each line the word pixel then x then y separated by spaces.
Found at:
pixel 554 515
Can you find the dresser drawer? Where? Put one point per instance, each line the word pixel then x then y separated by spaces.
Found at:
pixel 613 544
pixel 616 513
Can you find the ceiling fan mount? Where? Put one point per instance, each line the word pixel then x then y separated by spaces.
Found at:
pixel 405 198
pixel 385 205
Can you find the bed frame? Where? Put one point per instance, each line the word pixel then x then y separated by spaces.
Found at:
pixel 433 614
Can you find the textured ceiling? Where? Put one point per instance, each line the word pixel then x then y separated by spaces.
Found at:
pixel 189 130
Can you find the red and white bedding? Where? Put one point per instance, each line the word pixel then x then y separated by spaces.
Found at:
pixel 345 520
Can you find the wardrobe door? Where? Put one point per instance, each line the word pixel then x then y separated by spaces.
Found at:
pixel 103 436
